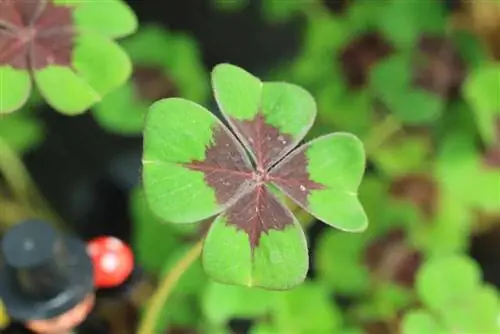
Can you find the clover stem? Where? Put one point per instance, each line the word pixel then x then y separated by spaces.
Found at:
pixel 22 186
pixel 381 133
pixel 165 288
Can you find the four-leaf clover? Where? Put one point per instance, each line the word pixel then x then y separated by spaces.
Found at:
pixel 195 167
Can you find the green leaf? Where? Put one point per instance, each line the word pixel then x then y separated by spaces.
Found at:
pixel 442 282
pixel 279 261
pixel 230 5
pixel 100 66
pixel 244 100
pixel 335 165
pixel 481 91
pixel 73 97
pixel 222 303
pixel 390 82
pixel 404 155
pixel 20 131
pixel 101 63
pixel 15 88
pixel 421 321
pixel 339 263
pixel 178 132
pixel 112 18
pixel 401 21
pixel 306 309
pixel 175 56
pixel 121 112
pixel 477 314
pixel 153 240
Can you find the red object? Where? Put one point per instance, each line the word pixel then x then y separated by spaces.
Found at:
pixel 113 261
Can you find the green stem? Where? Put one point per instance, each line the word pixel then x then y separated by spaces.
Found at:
pixel 165 289
pixel 23 188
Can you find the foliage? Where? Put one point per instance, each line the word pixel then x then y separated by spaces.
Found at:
pixel 66 48
pixel 170 69
pixel 256 240
pixel 422 96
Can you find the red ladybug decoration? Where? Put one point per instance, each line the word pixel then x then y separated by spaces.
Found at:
pixel 113 261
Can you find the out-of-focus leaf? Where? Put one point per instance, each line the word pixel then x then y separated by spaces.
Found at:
pixel 476 314
pixel 339 262
pixel 404 155
pixel 306 309
pixel 230 5
pixel 420 322
pixel 21 131
pixel 390 81
pixel 386 302
pixel 223 302
pixel 154 240
pixel 481 91
pixel 401 21
pixel 446 281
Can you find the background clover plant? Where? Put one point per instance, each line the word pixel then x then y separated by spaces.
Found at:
pixel 66 48
pixel 171 69
pixel 195 167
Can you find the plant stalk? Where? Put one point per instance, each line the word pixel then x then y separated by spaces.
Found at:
pixel 165 289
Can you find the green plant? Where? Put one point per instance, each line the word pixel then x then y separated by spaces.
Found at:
pixel 65 47
pixel 195 168
pixel 171 69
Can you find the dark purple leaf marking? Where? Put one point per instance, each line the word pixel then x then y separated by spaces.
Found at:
pixel 152 84
pixel 390 258
pixel 225 166
pixel 35 34
pixel 255 209
pixel 292 177
pixel 258 212
pixel 265 141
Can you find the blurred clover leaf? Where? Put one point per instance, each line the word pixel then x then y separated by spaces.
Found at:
pixel 307 309
pixel 21 131
pixel 173 68
pixel 445 281
pixel 457 300
pixel 194 167
pixel 66 48
pixel 401 21
pixel 421 321
pixel 391 83
pixel 222 302
pixel 481 91
pixel 153 239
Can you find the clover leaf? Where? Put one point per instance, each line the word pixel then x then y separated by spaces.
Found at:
pixel 194 167
pixel 21 131
pixel 481 92
pixel 444 281
pixel 391 83
pixel 172 68
pixel 421 321
pixel 65 47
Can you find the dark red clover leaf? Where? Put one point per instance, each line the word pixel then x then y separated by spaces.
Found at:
pixel 202 169
pixel 56 43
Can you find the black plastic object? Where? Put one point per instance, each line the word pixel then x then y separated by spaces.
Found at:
pixel 44 274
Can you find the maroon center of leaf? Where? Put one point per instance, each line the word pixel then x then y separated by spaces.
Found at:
pixel 252 207
pixel 438 66
pixel 390 258
pixel 360 55
pixel 152 83
pixel 35 34
pixel 418 189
